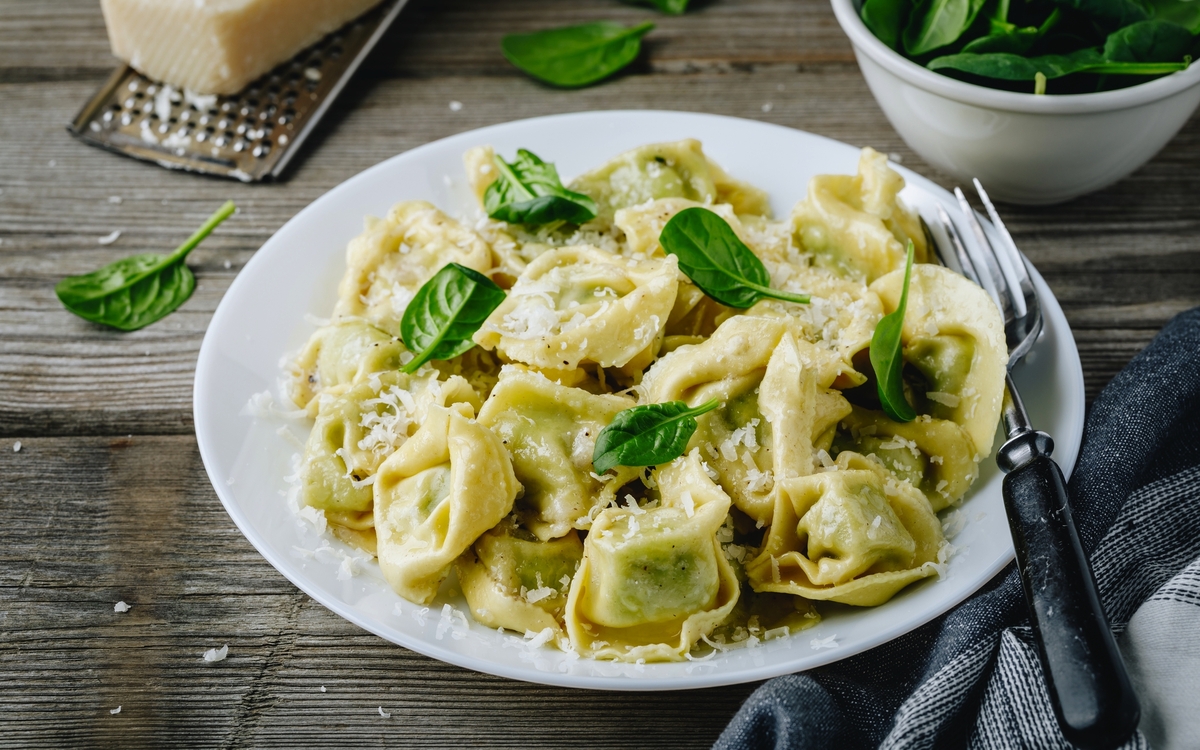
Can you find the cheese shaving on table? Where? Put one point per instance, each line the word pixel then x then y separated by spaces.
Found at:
pixel 216 654
pixel 121 607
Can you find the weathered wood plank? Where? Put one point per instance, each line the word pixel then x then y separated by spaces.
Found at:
pixel 93 521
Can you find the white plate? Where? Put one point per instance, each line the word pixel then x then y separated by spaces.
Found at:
pixel 263 318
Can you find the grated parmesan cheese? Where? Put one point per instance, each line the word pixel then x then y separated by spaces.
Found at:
pixel 116 710
pixel 820 643
pixel 689 504
pixel 545 592
pixel 216 654
pixel 947 399
pixel 121 607
pixel 384 714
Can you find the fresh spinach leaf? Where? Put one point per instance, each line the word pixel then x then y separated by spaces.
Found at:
pixel 1016 68
pixel 1148 42
pixel 575 56
pixel 886 356
pixel 886 19
pixel 717 261
pixel 937 23
pixel 1110 14
pixel 134 292
pixel 446 311
pixel 647 435
pixel 1186 13
pixel 1016 41
pixel 670 7
pixel 529 191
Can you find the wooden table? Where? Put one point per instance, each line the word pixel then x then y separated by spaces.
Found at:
pixel 107 500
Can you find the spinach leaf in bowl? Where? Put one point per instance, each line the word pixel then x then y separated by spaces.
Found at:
pixel 1102 44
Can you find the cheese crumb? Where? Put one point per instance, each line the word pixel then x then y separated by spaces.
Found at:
pixel 216 654
pixel 114 199
pixel 116 710
pixel 947 399
pixel 384 714
pixel 322 688
pixel 456 106
pixel 820 643
pixel 535 596
pixel 689 504
pixel 17 447
pixel 121 607
pixel 109 238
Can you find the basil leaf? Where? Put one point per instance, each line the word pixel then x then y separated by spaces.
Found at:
pixel 574 56
pixel 134 292
pixel 885 355
pixel 717 261
pixel 886 19
pixel 529 191
pixel 670 7
pixel 938 23
pixel 647 435
pixel 445 312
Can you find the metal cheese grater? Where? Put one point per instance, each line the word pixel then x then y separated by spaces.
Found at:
pixel 250 136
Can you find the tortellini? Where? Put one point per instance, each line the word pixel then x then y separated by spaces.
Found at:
pixel 852 535
pixel 643 223
pixel 450 482
pixel 666 170
pixel 775 404
pixel 358 428
pixel 581 305
pixel 794 490
pixel 954 336
pixel 550 430
pixel 513 580
pixel 653 581
pixel 854 225
pixel 933 455
pixel 347 351
pixel 393 257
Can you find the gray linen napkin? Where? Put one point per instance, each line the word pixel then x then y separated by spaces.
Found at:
pixel 972 678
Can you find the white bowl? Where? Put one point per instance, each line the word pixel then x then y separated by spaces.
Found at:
pixel 1023 148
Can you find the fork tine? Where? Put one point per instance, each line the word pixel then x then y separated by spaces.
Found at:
pixel 964 260
pixel 1010 255
pixel 998 283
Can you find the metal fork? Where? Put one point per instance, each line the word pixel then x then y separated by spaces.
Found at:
pixel 1089 688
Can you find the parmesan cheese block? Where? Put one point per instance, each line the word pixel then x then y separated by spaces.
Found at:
pixel 219 46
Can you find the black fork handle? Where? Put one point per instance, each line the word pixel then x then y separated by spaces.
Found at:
pixel 1090 690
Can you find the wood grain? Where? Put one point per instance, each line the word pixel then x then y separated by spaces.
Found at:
pixel 107 500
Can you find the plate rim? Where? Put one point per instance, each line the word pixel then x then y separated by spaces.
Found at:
pixel 557 679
